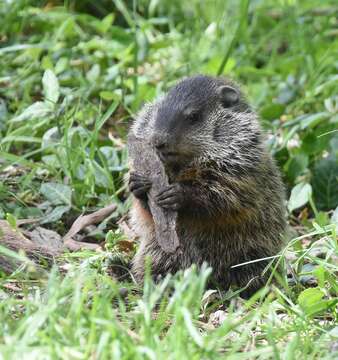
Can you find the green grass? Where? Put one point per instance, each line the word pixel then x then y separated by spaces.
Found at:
pixel 82 315
pixel 72 76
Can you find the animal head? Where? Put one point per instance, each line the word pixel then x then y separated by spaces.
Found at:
pixel 199 119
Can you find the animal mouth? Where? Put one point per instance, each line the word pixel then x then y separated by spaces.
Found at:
pixel 168 155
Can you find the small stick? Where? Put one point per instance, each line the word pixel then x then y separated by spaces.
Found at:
pixel 145 161
pixel 85 220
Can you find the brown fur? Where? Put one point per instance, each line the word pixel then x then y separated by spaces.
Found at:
pixel 233 210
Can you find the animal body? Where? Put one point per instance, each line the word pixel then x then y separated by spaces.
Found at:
pixel 224 184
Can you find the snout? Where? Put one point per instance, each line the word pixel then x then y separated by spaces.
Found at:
pixel 164 148
pixel 161 144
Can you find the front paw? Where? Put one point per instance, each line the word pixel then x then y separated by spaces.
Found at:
pixel 171 198
pixel 139 185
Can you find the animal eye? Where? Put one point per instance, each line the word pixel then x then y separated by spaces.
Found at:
pixel 193 117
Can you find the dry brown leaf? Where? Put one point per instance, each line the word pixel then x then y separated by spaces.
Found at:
pixel 125 246
pixel 45 237
pixel 218 317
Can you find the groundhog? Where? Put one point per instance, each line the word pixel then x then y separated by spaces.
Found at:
pixel 224 185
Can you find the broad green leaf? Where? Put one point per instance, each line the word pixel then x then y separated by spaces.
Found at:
pixel 93 74
pixel 50 137
pixel 92 170
pixel 111 156
pixel 213 64
pixel 55 214
pixel 50 86
pixel 312 302
pixel 106 23
pixel 61 65
pixel 313 120
pixel 286 94
pixel 296 165
pixel 77 135
pixel 334 145
pixel 322 218
pixel 331 105
pixel 107 95
pixel 272 111
pixel 47 63
pixel 300 195
pixel 29 212
pixel 51 160
pixel 102 177
pixel 309 297
pixel 37 110
pixel 325 183
pixel 57 194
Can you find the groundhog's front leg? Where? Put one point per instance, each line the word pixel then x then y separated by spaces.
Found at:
pixel 208 198
pixel 173 197
pixel 139 186
pixel 194 198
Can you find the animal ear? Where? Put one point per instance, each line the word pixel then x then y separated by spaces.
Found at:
pixel 228 95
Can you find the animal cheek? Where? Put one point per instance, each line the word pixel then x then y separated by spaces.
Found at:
pixel 217 134
pixel 186 145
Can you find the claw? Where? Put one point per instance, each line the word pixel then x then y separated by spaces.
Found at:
pixel 167 192
pixel 139 185
pixel 170 198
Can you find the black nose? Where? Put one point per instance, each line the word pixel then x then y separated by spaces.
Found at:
pixel 160 143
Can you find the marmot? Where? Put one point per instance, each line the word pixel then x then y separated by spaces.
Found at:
pixel 224 184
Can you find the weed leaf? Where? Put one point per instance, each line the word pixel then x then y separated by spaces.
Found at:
pixel 37 110
pixel 50 86
pixel 300 195
pixel 55 214
pixel 57 194
pixel 325 183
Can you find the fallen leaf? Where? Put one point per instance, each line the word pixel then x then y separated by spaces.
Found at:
pixel 218 317
pixel 45 237
pixel 125 245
